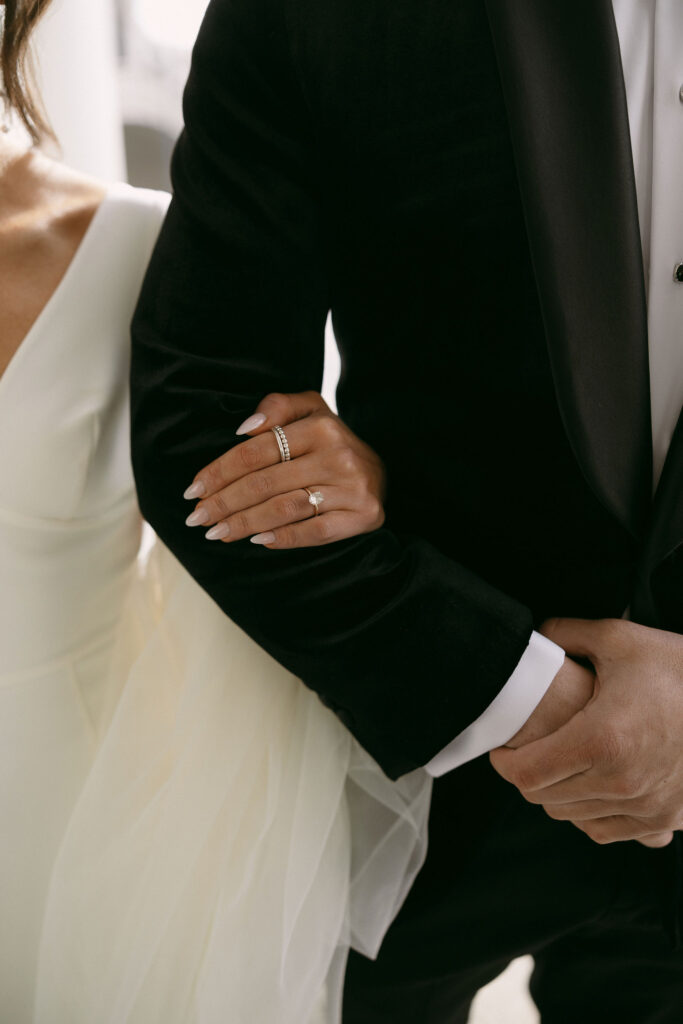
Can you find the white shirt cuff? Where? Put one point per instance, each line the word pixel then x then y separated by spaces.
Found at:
pixel 508 711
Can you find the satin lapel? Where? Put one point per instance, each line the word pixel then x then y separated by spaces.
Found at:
pixel 667 526
pixel 560 68
pixel 658 599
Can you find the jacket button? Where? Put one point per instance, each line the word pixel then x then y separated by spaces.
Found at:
pixel 678 273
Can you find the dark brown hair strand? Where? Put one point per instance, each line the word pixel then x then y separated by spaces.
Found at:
pixel 21 17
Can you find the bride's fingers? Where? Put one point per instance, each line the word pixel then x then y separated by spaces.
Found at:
pixel 285 509
pixel 259 487
pixel 258 453
pixel 279 410
pixel 322 529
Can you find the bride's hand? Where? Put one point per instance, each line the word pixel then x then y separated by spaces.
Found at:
pixel 331 488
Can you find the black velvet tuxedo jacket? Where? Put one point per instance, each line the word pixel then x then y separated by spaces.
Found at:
pixel 453 179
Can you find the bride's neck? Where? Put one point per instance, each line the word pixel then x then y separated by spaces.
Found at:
pixel 38 192
pixel 12 150
pixel 20 179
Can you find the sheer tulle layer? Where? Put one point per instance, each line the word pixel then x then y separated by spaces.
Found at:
pixel 232 839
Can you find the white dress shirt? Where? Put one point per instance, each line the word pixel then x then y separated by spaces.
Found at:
pixel 651 41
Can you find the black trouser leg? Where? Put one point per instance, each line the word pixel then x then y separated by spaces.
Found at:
pixel 621 968
pixel 526 885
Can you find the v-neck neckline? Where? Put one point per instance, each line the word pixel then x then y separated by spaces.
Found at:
pixel 25 345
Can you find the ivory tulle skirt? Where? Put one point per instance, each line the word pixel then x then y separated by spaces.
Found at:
pixel 232 839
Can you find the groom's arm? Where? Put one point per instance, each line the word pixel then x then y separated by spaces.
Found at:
pixel 406 645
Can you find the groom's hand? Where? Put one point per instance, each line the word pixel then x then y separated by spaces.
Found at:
pixel 569 692
pixel 615 769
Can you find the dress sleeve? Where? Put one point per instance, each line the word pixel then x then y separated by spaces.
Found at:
pixel 407 646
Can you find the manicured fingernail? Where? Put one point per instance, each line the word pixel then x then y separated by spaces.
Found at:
pixel 196 518
pixel 218 531
pixel 195 490
pixel 252 423
pixel 263 538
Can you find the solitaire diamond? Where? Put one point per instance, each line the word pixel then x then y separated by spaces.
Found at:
pixel 315 498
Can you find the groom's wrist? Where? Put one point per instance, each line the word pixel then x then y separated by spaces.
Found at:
pixel 510 709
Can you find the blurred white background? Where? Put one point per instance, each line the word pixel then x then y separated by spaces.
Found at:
pixel 112 74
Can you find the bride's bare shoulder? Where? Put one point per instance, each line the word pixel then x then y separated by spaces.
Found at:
pixel 67 200
pixel 45 211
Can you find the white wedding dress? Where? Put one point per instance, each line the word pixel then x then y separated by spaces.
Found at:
pixel 186 835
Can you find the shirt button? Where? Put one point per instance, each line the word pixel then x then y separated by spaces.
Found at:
pixel 680 94
pixel 678 273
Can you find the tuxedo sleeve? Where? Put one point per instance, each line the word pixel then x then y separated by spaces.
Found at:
pixel 509 709
pixel 407 646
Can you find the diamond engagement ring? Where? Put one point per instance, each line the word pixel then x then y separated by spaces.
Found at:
pixel 282 444
pixel 315 498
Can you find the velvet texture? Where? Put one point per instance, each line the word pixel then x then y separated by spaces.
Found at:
pixel 413 167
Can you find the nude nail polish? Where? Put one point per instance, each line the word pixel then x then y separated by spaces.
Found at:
pixel 252 423
pixel 218 532
pixel 195 490
pixel 196 518
pixel 263 538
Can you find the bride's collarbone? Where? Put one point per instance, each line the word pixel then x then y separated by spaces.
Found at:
pixel 42 225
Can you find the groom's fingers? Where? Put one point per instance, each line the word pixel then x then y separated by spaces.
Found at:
pixel 590 810
pixel 620 829
pixel 534 768
pixel 576 636
pixel 656 841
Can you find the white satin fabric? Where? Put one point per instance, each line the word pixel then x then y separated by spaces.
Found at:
pixel 188 835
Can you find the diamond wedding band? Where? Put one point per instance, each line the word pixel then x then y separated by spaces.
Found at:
pixel 282 444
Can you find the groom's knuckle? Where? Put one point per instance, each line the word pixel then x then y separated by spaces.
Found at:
pixel 664 817
pixel 633 781
pixel 517 776
pixel 662 822
pixel 600 834
pixel 611 746
pixel 611 632
pixel 600 830
pixel 642 807
pixel 621 786
pixel 525 777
